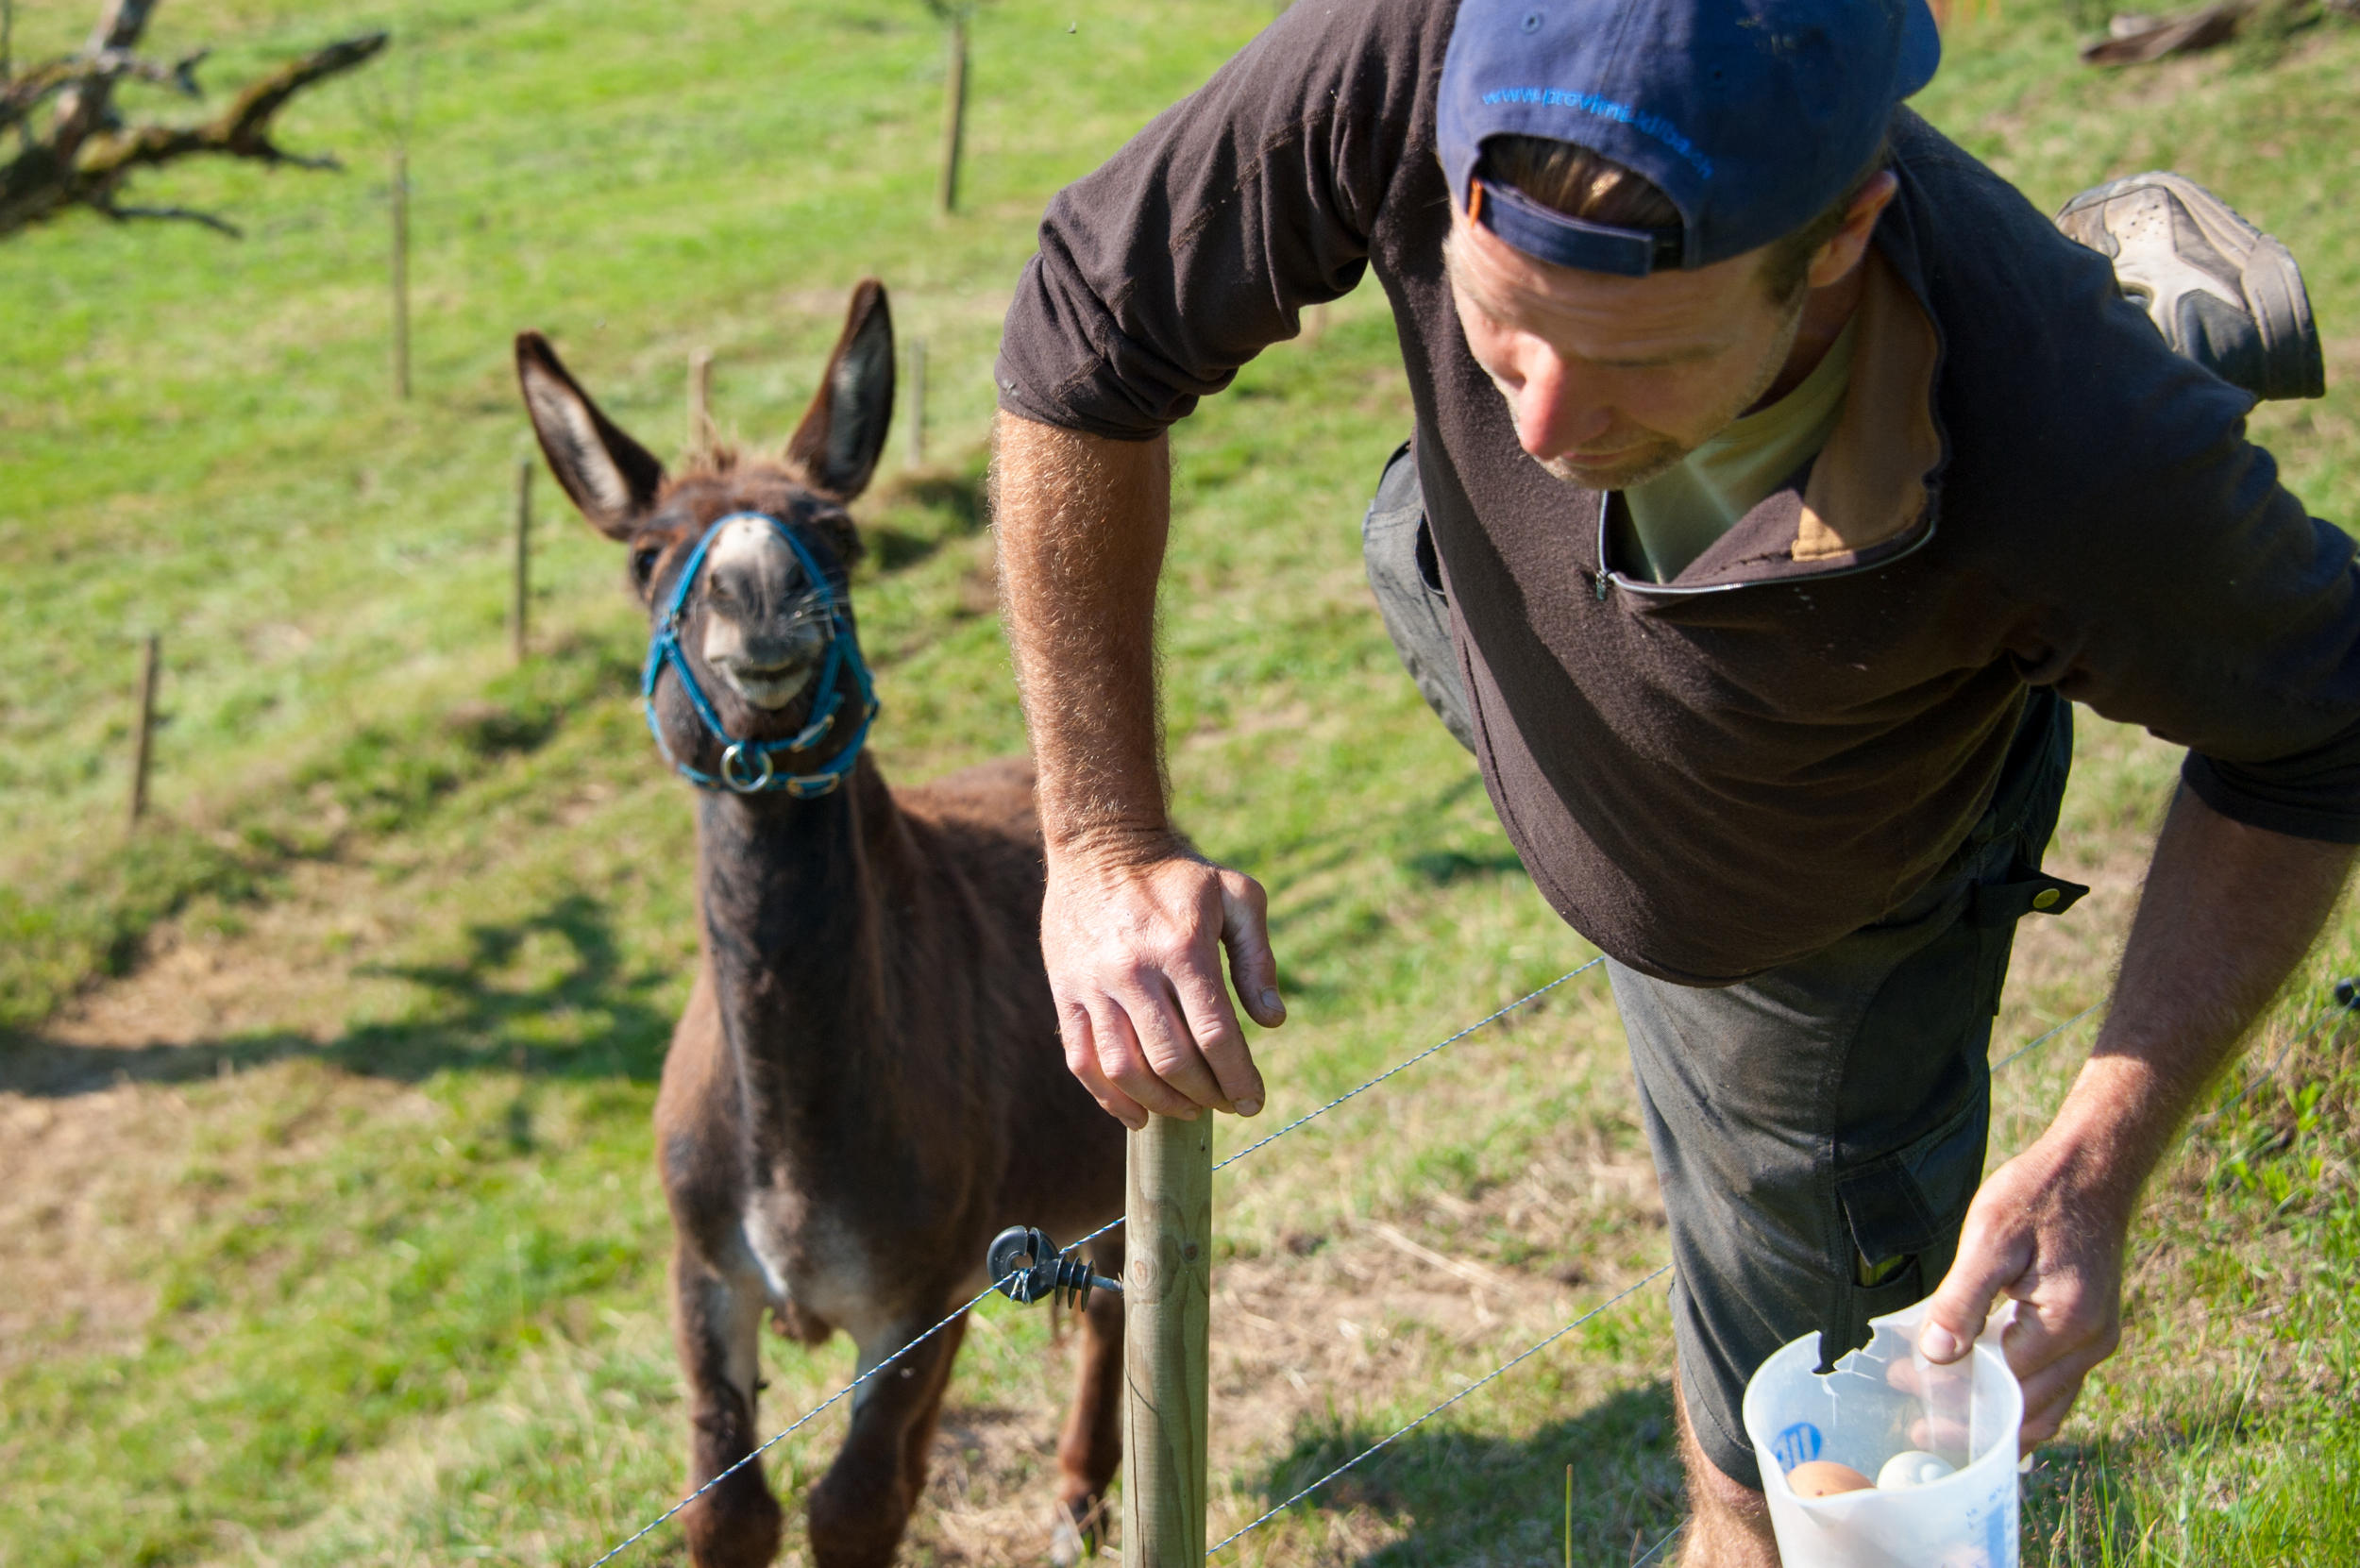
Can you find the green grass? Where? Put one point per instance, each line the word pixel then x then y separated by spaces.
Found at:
pixel 366 1267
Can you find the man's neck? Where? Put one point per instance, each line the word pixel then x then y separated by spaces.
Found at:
pixel 1826 312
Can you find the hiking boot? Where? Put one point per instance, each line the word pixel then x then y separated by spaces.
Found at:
pixel 2220 291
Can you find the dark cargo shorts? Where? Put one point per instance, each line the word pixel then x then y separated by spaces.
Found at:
pixel 1819 1129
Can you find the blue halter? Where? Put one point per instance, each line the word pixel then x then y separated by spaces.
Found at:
pixel 751 767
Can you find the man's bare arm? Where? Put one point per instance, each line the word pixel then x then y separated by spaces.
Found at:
pixel 1134 921
pixel 2227 913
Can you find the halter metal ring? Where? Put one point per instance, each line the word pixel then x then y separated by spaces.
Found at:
pixel 735 757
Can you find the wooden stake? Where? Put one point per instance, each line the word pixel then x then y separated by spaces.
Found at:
pixel 1167 1309
pixel 701 400
pixel 954 116
pixel 519 595
pixel 918 402
pixel 401 274
pixel 151 663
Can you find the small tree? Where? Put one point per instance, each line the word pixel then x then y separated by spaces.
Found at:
pixel 86 153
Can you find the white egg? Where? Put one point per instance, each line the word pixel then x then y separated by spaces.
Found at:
pixel 1913 1467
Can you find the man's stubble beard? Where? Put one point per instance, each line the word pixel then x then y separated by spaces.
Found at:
pixel 1662 455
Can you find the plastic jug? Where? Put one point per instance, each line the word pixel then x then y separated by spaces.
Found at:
pixel 1880 1400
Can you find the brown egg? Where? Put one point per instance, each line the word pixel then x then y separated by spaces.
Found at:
pixel 1826 1478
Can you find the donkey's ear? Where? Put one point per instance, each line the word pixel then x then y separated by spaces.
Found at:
pixel 843 434
pixel 611 478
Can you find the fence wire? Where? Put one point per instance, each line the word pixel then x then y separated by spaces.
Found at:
pixel 1412 1061
pixel 1529 1351
pixel 985 1294
pixel 1274 1512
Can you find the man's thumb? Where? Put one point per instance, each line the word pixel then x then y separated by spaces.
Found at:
pixel 1245 932
pixel 1956 1311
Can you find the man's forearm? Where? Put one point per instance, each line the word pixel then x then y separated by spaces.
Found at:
pixel 2227 913
pixel 1081 523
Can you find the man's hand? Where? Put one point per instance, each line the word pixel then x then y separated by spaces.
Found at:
pixel 1133 943
pixel 1133 921
pixel 2048 1232
pixel 2227 913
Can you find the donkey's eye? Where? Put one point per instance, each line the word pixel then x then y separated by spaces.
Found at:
pixel 643 566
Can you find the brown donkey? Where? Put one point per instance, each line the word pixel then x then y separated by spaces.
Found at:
pixel 866 1084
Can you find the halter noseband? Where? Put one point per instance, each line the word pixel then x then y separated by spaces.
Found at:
pixel 751 767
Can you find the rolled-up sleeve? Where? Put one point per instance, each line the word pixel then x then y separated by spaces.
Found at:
pixel 1200 243
pixel 2235 633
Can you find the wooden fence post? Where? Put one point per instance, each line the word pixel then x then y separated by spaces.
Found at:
pixel 954 115
pixel 522 588
pixel 700 400
pixel 1167 1307
pixel 918 402
pixel 401 273
pixel 150 669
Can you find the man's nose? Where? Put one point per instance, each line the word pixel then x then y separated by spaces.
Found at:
pixel 1556 413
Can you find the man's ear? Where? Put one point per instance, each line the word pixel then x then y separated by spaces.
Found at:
pixel 843 433
pixel 1843 249
pixel 612 479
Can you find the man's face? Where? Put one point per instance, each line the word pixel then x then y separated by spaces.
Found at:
pixel 1613 380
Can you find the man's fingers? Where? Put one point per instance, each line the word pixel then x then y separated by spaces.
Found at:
pixel 1170 1031
pixel 1081 1059
pixel 1123 1059
pixel 1252 968
pixel 2045 1416
pixel 2049 1344
pixel 1221 1044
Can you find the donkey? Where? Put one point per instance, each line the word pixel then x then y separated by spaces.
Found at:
pixel 867 1083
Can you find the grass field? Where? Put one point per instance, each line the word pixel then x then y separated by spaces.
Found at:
pixel 328 1232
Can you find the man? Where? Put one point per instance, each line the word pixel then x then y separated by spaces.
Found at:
pixel 1778 477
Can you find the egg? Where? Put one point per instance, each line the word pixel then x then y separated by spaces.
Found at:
pixel 1913 1467
pixel 1826 1478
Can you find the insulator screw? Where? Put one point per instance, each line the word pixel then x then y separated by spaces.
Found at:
pixel 1025 1266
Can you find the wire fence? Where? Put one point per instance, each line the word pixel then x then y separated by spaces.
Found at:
pixel 1496 1373
pixel 982 1295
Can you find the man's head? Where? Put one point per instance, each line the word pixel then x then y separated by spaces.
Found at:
pixel 1648 194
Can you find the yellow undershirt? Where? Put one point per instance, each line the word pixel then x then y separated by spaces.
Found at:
pixel 1677 516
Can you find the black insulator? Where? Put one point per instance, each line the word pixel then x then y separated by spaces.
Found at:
pixel 1028 1267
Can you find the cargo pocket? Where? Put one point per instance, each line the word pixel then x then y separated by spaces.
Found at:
pixel 1904 1210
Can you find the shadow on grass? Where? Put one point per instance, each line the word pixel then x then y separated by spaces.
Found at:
pixel 592 1018
pixel 1465 1497
pixel 954 500
pixel 1443 866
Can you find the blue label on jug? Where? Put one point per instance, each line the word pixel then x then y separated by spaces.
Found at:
pixel 1797 1444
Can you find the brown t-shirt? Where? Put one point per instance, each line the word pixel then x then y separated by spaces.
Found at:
pixel 1719 775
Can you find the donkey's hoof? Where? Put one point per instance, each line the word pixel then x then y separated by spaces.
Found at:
pixel 1073 1538
pixel 1067 1545
pixel 735 1528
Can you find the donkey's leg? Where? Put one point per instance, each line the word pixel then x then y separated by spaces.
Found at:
pixel 1090 1447
pixel 860 1507
pixel 716 1325
pixel 918 1441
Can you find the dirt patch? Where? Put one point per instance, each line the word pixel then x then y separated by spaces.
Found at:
pixel 101 1111
pixel 94 1185
pixel 1404 1308
pixel 283 967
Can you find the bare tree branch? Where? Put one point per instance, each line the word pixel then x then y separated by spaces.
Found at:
pixel 21 95
pixel 86 155
pixel 188 215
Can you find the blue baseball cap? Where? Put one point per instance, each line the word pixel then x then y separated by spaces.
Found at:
pixel 1751 115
